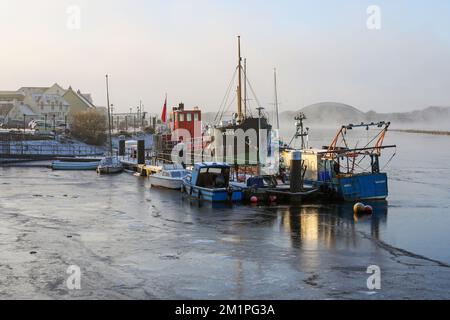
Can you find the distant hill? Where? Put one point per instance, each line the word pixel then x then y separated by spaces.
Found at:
pixel 334 113
pixel 326 113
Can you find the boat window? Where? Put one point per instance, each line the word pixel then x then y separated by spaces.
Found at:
pixel 176 174
pixel 213 178
pixel 166 174
pixel 195 116
pixel 181 117
pixel 215 170
pixel 188 117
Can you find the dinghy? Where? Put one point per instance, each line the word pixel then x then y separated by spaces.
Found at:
pixel 74 165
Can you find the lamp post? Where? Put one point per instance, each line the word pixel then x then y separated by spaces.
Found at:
pixel 24 115
pixel 45 122
pixel 259 139
pixel 54 126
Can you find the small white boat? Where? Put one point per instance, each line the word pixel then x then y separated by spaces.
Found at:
pixel 170 177
pixel 109 165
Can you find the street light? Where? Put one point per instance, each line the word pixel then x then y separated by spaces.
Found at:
pixel 259 138
pixel 54 126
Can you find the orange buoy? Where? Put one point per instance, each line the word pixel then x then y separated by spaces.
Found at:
pixel 358 208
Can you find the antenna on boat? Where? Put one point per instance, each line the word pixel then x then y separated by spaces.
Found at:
pixel 300 132
pixel 109 116
pixel 239 92
pixel 276 97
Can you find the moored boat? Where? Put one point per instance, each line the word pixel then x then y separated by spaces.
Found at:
pixel 74 165
pixel 170 177
pixel 210 181
pixel 345 173
pixel 109 165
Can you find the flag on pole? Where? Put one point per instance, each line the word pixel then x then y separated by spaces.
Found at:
pixel 164 111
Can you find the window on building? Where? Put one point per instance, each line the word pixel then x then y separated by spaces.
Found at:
pixel 181 117
pixel 60 107
pixel 188 117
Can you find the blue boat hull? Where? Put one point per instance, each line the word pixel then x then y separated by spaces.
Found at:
pixel 371 186
pixel 76 166
pixel 212 195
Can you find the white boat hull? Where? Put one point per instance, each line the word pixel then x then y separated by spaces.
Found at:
pixel 165 182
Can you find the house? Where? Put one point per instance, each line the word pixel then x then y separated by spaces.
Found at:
pixel 78 101
pixel 41 103
pixel 14 110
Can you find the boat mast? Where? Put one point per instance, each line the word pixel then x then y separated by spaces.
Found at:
pixel 276 97
pixel 239 93
pixel 245 88
pixel 109 116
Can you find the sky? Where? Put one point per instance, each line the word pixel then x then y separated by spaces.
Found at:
pixel 322 50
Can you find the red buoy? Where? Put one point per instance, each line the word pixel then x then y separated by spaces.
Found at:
pixel 368 209
pixel 253 199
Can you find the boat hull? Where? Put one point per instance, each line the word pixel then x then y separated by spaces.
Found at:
pixel 74 166
pixel 174 184
pixel 212 195
pixel 109 170
pixel 372 186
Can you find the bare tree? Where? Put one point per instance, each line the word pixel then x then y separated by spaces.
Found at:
pixel 89 126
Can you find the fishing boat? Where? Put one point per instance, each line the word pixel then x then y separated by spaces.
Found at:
pixel 74 165
pixel 210 181
pixel 109 165
pixel 170 177
pixel 348 173
pixel 245 140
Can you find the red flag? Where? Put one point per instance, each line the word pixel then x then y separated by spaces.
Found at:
pixel 164 111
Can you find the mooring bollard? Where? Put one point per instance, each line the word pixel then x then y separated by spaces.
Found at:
pixel 121 147
pixel 141 152
pixel 296 172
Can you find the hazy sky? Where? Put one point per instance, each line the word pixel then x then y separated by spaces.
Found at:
pixel 323 51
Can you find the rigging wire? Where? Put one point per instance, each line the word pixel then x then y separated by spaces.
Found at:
pixel 226 96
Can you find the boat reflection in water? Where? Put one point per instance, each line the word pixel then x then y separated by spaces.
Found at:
pixel 330 226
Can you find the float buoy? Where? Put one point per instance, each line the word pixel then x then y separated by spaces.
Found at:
pixel 368 209
pixel 272 199
pixel 358 208
pixel 253 199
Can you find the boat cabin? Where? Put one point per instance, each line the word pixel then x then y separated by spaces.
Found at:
pixel 317 168
pixel 211 175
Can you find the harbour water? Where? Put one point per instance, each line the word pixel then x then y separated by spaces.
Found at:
pixel 132 241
